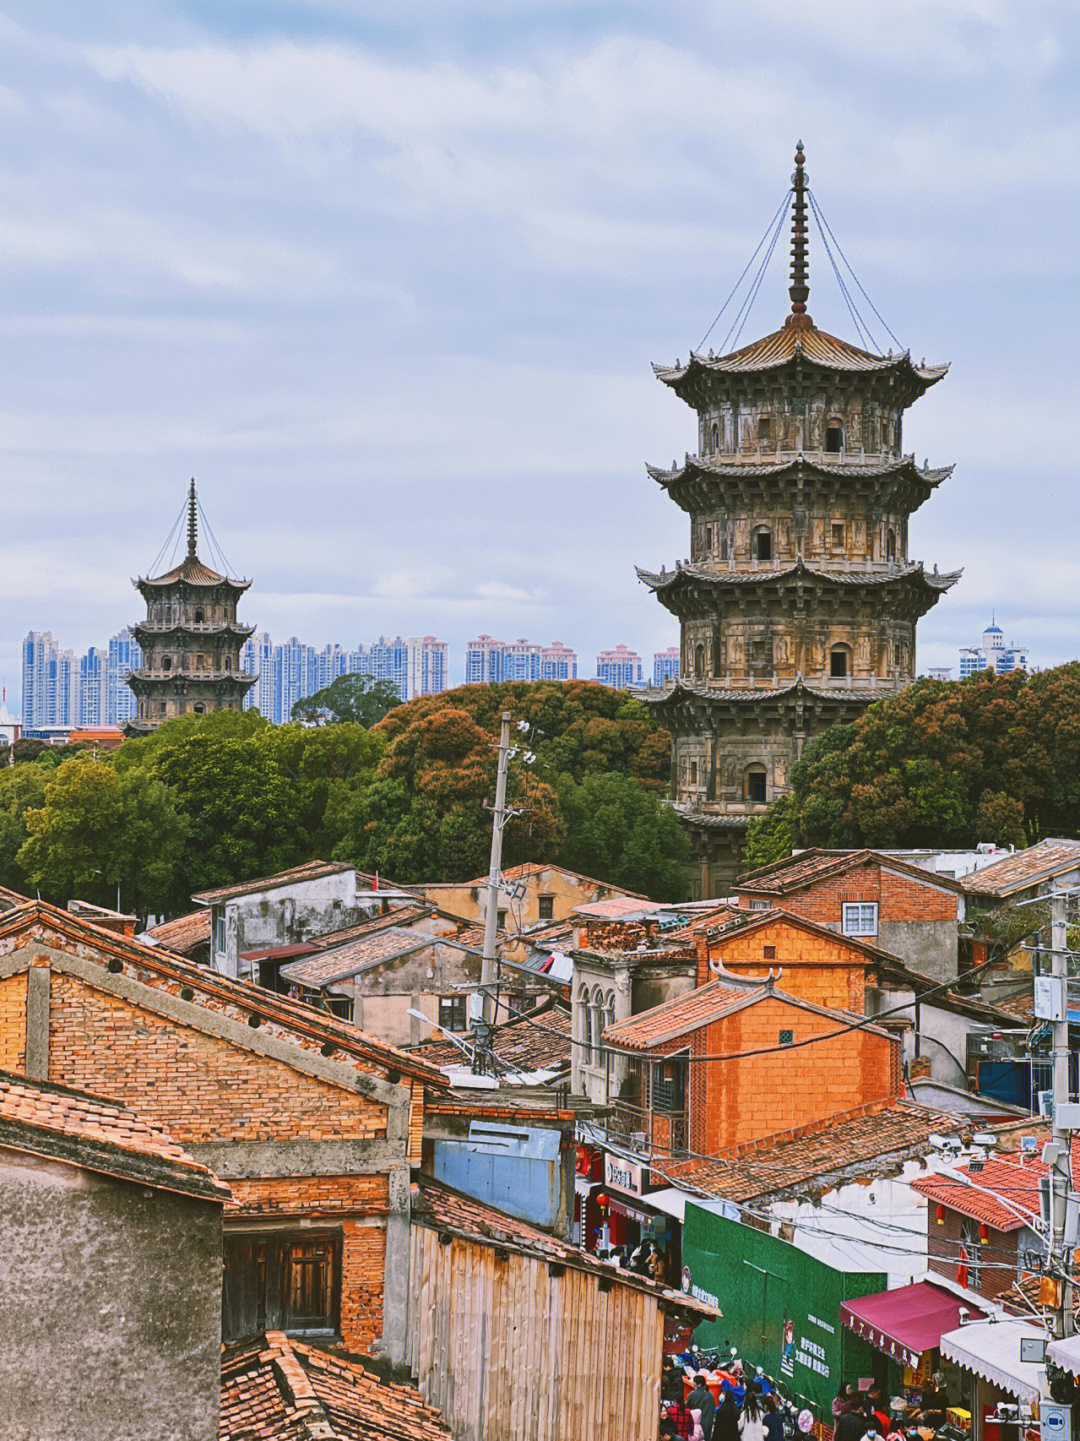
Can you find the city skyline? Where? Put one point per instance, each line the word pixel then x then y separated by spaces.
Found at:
pixel 370 349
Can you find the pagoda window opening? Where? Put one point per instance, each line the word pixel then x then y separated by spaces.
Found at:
pixel 890 545
pixel 762 543
pixel 699 661
pixel 840 662
pixel 834 437
pixel 838 535
pixel 764 430
pixel 198 708
pixel 755 784
pixel 714 437
pixel 693 773
pixel 198 617
pixel 227 663
pixel 708 540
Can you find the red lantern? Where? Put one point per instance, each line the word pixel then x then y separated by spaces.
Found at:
pixel 939 1215
pixel 603 1201
pixel 984 1234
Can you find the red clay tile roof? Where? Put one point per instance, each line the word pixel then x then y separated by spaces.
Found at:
pixel 1021 1005
pixel 1004 1194
pixel 880 1137
pixel 309 871
pixel 709 921
pixel 444 1209
pixel 616 907
pixel 400 915
pixel 675 1019
pixel 44 1119
pixel 292 1021
pixel 277 1388
pixel 1040 862
pixel 338 964
pixel 806 868
pixel 8 899
pixel 184 934
pixel 539 1041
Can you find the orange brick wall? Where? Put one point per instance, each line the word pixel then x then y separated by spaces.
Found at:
pixel 898 897
pixel 197 1087
pixel 944 1243
pixel 736 1102
pixel 13 1023
pixel 824 970
pixel 363 1244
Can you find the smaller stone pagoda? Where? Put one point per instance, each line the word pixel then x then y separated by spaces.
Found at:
pixel 190 640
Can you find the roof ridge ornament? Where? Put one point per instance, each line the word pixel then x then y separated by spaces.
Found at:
pixel 800 269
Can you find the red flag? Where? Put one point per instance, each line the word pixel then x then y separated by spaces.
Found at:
pixel 962 1269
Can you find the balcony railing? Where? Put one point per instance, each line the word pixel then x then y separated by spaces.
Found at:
pixel 656 1133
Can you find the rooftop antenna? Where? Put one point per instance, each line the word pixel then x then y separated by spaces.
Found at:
pixel 192 518
pixel 800 270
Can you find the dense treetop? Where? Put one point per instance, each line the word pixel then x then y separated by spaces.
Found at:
pixel 208 800
pixel 943 763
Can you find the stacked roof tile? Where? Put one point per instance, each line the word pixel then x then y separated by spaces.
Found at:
pixel 184 934
pixel 276 1388
pixel 806 868
pixel 44 1119
pixel 538 1041
pixel 1003 1194
pixel 1040 862
pixel 309 871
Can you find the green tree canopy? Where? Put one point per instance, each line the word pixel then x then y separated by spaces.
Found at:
pixel 357 698
pixel 948 763
pixel 97 830
pixel 621 832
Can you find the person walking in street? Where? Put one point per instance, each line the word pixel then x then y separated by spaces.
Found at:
pixel 752 1420
pixel 726 1419
pixel 774 1422
pixel 701 1399
pixel 680 1416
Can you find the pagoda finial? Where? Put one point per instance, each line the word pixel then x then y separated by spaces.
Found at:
pixel 800 270
pixel 192 519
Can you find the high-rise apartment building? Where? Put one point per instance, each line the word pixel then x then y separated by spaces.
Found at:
pixel 257 657
pixel 665 665
pixel 93 686
pixel 296 674
pixel 558 662
pixel 385 660
pixel 484 660
pixel 521 660
pixel 428 667
pixel 619 667
pixel 992 654
pixel 50 683
pixel 124 657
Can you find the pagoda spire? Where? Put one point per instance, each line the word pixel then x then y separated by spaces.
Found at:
pixel 192 519
pixel 800 267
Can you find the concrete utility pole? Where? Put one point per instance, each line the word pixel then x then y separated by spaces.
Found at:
pixel 1061 1252
pixel 491 918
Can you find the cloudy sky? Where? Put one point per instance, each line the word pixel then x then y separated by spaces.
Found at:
pixel 387 278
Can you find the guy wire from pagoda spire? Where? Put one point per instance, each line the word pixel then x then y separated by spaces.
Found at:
pixel 800 283
pixel 192 519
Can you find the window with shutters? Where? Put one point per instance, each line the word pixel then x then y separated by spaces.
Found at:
pixel 281 1283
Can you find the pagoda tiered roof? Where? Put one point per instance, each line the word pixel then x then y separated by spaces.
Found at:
pixel 684 577
pixel 799 341
pixel 191 571
pixel 699 477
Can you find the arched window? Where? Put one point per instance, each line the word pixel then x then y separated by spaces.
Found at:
pixel 834 437
pixel 714 436
pixel 890 545
pixel 228 662
pixel 840 661
pixel 761 543
pixel 199 708
pixel 198 617
pixel 755 784
pixel 585 1032
pixel 597 1014
pixel 166 662
pixel 699 661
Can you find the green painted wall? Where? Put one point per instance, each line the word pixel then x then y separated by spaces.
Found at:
pixel 765 1286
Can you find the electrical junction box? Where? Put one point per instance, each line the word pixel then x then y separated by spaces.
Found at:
pixel 1049 998
pixel 1067 1114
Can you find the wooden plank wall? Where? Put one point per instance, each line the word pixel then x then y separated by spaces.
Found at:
pixel 509 1352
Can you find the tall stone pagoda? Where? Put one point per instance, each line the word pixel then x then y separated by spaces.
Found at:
pixel 798 603
pixel 190 640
